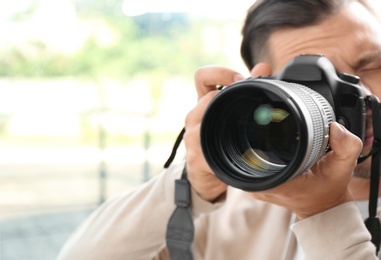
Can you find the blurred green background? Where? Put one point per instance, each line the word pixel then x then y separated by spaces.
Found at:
pixel 92 96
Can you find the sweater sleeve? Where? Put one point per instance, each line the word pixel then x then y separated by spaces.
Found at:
pixel 337 234
pixel 133 225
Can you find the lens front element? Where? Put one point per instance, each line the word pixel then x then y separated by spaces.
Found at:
pixel 272 138
pixel 257 134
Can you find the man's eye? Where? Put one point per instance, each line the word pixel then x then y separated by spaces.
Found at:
pixel 369 70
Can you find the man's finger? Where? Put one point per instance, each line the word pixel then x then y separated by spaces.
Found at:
pixel 208 77
pixel 261 69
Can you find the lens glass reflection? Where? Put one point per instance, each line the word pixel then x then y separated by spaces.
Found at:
pixel 265 136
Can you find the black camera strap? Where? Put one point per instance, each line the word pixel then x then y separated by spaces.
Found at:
pixel 174 148
pixel 372 222
pixel 180 228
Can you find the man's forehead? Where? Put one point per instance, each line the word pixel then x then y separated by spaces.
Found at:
pixel 342 37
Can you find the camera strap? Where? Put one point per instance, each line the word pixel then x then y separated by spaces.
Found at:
pixel 180 227
pixel 372 222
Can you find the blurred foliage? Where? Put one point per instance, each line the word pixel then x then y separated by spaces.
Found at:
pixel 149 44
pixel 152 46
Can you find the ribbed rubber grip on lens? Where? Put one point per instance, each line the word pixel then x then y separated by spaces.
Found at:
pixel 316 110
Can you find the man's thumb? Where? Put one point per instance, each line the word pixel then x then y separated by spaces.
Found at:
pixel 345 145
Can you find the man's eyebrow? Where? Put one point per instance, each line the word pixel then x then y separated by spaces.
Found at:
pixel 368 58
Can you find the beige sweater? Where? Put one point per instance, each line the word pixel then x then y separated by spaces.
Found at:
pixel 133 225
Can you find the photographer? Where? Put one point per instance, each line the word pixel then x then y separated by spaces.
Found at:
pixel 234 224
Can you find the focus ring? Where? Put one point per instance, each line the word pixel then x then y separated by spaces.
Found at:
pixel 320 113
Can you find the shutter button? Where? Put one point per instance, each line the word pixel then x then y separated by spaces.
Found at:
pixel 349 78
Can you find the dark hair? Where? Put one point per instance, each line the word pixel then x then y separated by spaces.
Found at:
pixel 268 16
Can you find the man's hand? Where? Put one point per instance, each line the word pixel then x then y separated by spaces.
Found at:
pixel 201 177
pixel 326 184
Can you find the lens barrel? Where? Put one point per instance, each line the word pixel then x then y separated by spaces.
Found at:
pixel 259 133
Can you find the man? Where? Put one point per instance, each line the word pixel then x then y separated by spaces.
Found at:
pixel 233 224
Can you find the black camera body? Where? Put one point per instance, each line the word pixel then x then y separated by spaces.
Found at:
pixel 258 133
pixel 341 90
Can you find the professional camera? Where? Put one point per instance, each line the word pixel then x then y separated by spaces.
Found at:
pixel 261 132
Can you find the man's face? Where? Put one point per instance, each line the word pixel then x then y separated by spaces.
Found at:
pixel 351 40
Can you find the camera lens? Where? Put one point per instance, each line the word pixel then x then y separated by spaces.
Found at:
pixel 259 133
pixel 265 138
